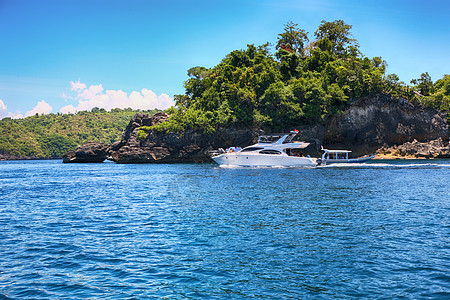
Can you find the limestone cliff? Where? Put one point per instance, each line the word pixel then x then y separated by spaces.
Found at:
pixel 373 122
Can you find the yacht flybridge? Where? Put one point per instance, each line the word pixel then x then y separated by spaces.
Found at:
pixel 271 150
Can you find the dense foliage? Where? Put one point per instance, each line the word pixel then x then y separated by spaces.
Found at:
pixel 436 95
pixel 300 83
pixel 52 135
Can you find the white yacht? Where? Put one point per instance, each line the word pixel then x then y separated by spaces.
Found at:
pixel 271 150
pixel 342 156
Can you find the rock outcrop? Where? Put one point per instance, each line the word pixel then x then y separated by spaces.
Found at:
pixel 369 124
pixel 431 149
pixel 174 147
pixel 92 152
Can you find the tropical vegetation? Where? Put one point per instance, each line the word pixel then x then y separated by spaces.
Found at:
pixel 52 135
pixel 302 82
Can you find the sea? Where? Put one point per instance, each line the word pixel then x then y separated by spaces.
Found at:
pixel 379 230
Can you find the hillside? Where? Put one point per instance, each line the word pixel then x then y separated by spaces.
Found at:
pixel 50 136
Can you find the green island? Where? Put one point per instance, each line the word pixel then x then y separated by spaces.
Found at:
pixel 52 135
pixel 306 80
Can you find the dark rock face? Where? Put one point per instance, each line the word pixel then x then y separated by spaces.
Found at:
pixel 178 147
pixel 174 147
pixel 371 123
pixel 142 120
pixel 366 126
pixel 92 152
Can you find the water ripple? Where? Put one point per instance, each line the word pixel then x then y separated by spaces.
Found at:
pixel 378 230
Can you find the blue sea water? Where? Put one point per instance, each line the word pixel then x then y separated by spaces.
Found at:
pixel 197 231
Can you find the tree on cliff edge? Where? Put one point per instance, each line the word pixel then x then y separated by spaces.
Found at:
pixel 338 32
pixel 292 39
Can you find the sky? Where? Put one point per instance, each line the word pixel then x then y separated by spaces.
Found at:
pixel 72 55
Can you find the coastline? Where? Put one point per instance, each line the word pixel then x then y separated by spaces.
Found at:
pixel 398 157
pixel 30 158
pixel 377 157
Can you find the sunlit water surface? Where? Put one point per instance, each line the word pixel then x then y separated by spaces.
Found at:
pixel 198 231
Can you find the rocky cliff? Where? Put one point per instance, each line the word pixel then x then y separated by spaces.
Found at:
pixel 87 153
pixel 174 147
pixel 369 124
pixel 381 121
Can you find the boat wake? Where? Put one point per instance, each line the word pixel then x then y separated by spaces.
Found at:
pixel 396 165
pixel 263 167
pixel 390 165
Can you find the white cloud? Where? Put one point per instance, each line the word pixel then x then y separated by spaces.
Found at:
pixel 68 109
pixel 41 108
pixel 16 115
pixel 4 113
pixel 95 96
pixel 66 97
pixel 91 92
pixel 74 86
pixel 2 109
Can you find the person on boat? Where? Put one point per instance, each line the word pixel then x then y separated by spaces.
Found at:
pixel 231 149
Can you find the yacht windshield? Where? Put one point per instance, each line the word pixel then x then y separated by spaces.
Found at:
pixel 269 138
pixel 251 149
pixel 269 151
pixel 289 138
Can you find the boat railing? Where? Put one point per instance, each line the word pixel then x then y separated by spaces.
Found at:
pixel 269 139
pixel 216 152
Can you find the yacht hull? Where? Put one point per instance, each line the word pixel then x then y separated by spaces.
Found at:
pixel 263 160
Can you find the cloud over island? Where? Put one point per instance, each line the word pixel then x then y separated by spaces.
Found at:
pixel 96 96
pixel 41 107
pixel 85 97
pixel 3 109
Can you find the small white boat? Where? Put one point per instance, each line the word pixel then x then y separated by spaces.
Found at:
pixel 271 150
pixel 341 156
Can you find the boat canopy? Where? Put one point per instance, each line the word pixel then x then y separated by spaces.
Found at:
pixel 335 154
pixel 337 151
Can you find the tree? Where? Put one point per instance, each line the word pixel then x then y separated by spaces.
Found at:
pixel 443 85
pixel 195 85
pixel 424 84
pixel 339 34
pixel 293 39
pixel 442 94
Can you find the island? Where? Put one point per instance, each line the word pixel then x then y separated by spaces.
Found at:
pixel 324 87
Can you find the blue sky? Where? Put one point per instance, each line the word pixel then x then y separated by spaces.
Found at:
pixel 67 55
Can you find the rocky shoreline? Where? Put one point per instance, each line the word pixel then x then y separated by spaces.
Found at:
pixel 390 127
pixel 416 150
pixel 7 157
